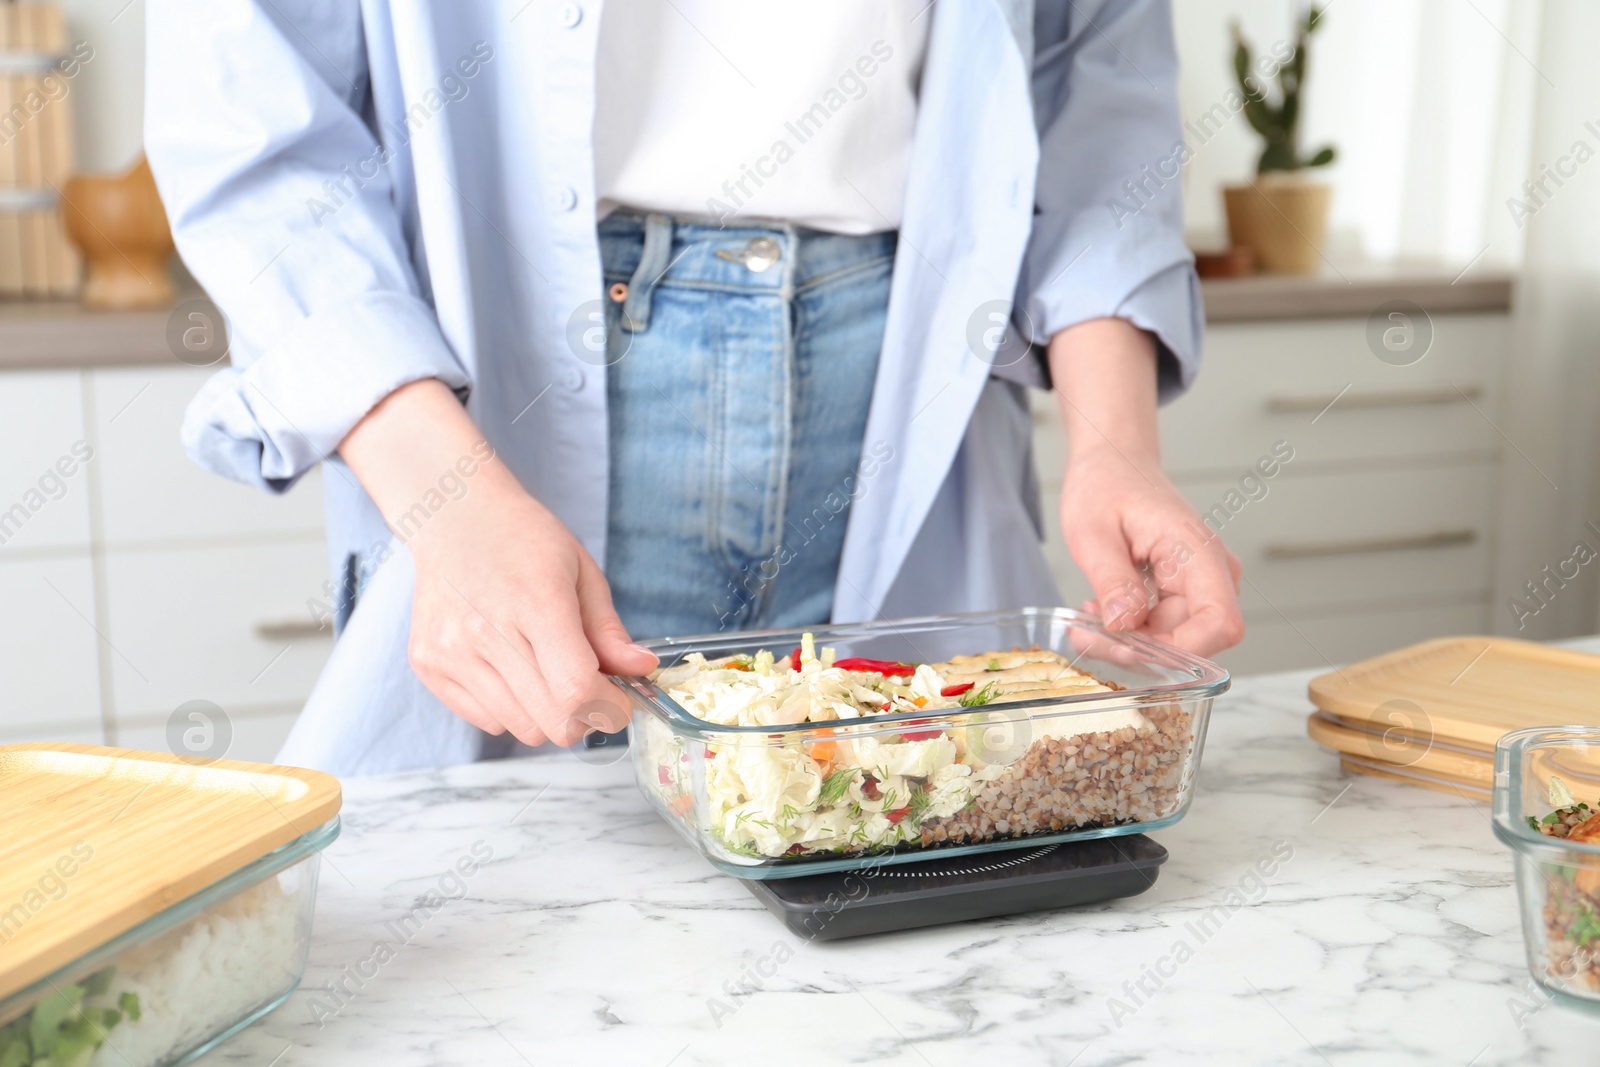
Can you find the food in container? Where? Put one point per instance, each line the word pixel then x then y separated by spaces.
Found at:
pixel 790 752
pixel 150 906
pixel 1547 809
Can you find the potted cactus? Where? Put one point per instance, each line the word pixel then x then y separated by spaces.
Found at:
pixel 1281 215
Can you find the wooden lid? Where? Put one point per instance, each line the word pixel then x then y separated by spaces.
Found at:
pixel 1411 776
pixel 1401 754
pixel 99 839
pixel 1464 691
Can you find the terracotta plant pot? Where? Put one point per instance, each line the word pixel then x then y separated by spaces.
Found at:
pixel 119 224
pixel 1283 218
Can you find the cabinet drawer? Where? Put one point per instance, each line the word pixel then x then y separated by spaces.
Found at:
pixel 48 658
pixel 1271 644
pixel 1317 540
pixel 44 488
pixel 254 736
pixel 152 492
pixel 186 625
pixel 1270 381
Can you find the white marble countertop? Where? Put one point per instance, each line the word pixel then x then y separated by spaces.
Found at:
pixel 592 934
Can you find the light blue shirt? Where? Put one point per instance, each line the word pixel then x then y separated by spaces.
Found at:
pixel 378 193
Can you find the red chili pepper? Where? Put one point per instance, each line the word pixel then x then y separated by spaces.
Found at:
pixel 876 666
pixel 664 774
pixel 869 787
pixel 920 735
pixel 956 690
pixel 794 660
pixel 794 850
pixel 899 813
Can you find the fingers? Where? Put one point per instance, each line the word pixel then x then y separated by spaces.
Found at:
pixel 1102 552
pixel 613 648
pixel 452 657
pixel 579 695
pixel 535 676
pixel 1209 584
pixel 456 697
pixel 464 704
pixel 1094 644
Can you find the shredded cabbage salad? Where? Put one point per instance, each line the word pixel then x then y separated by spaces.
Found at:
pixel 840 791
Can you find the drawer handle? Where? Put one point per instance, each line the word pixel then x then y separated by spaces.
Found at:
pixel 1357 545
pixel 1391 398
pixel 291 629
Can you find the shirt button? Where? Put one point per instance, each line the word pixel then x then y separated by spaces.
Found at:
pixel 568 198
pixel 572 379
pixel 569 15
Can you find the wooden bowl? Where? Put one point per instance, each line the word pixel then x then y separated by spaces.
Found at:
pixel 121 228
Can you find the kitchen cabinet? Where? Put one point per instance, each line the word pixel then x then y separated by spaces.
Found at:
pixel 48 658
pixel 140 582
pixel 1379 531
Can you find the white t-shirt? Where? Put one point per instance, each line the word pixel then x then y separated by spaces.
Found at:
pixel 777 109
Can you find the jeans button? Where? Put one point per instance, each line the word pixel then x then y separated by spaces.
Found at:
pixel 762 253
pixel 568 198
pixel 569 15
pixel 572 379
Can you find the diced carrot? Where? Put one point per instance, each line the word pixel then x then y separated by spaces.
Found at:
pixel 824 751
pixel 920 701
pixel 681 804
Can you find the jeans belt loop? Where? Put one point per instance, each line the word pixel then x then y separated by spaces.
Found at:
pixel 653 263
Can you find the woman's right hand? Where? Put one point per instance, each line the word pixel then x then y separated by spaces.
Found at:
pixel 512 625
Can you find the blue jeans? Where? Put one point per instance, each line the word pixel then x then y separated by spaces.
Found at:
pixel 740 369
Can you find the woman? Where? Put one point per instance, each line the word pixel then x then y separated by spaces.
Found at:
pixel 782 380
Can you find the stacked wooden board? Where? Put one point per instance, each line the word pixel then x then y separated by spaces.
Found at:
pixel 1430 714
pixel 36 155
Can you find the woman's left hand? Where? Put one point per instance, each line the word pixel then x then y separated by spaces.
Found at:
pixel 1155 567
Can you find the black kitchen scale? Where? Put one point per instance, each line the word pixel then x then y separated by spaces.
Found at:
pixel 878 899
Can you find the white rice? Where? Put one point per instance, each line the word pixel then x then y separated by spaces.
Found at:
pixel 203 976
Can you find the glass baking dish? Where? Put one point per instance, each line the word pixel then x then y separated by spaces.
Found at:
pixel 1548 779
pixel 1055 769
pixel 171 988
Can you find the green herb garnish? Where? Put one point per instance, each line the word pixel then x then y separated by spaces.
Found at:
pixel 920 799
pixel 994 665
pixel 974 698
pixel 1586 928
pixel 835 785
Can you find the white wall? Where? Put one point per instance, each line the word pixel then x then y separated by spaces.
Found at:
pixel 1426 101
pixel 109 93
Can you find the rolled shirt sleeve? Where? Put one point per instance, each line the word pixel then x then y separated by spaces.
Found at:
pixel 1107 235
pixel 281 202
